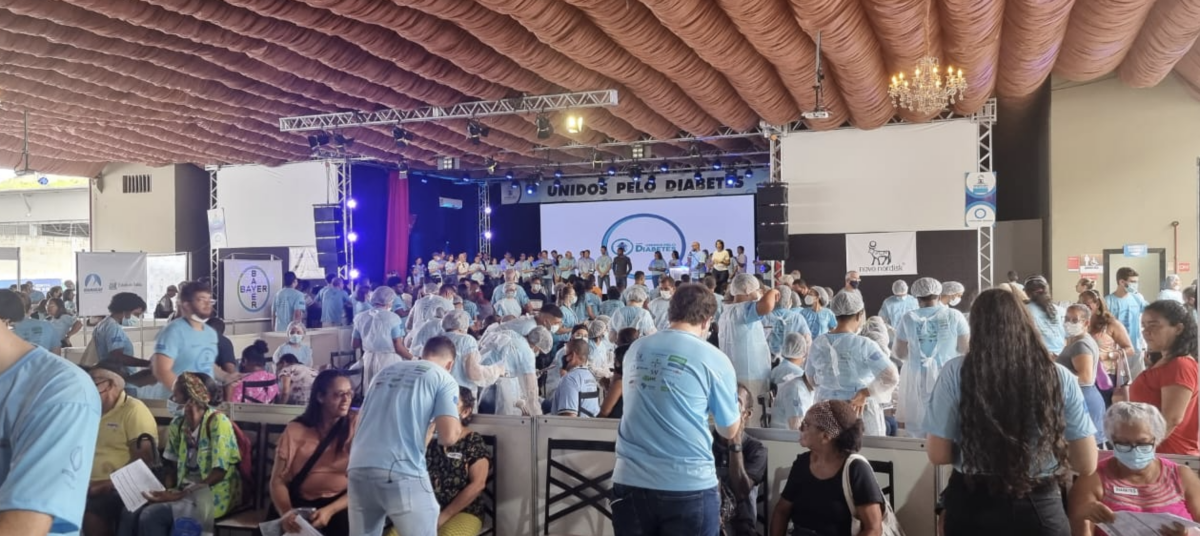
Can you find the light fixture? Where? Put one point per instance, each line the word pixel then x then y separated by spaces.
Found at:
pixel 354 273
pixel 716 165
pixel 601 182
pixel 544 128
pixel 313 144
pixel 487 235
pixel 749 173
pixel 402 166
pixel 730 179
pixel 351 203
pixel 401 136
pixel 352 236
pixel 650 180
pixel 537 179
pixel 574 124
pixel 342 142
pixel 557 184
pixel 490 164
pixel 514 185
pixel 476 131
pixel 637 151
pixel 612 171
pixel 424 179
pixel 698 176
pixel 509 174
pixel 447 162
pixel 635 173
pixel 927 91
pixel 664 167
pixel 487 210
pixel 558 173
pixel 529 188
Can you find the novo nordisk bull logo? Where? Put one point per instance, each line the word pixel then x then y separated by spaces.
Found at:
pixel 881 260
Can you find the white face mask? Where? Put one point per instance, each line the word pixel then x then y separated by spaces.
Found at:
pixel 809 300
pixel 665 294
pixel 198 318
pixel 295 338
pixel 571 300
pixel 955 302
pixel 555 327
pixel 1074 329
pixel 537 288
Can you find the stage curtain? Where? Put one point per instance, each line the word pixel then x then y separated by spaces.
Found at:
pixel 397 224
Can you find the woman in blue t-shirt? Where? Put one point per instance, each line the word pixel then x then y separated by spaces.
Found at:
pixel 1010 421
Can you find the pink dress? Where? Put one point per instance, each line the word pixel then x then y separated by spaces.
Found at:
pixel 1162 496
pixel 258 394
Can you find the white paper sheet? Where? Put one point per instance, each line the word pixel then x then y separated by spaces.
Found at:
pixel 1144 524
pixel 133 479
pixel 305 528
pixel 275 528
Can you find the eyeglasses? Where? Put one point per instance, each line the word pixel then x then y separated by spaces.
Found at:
pixel 342 394
pixel 1141 448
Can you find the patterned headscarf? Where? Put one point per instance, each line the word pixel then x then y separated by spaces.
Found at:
pixel 194 387
pixel 821 416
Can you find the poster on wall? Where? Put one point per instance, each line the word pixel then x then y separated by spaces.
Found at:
pixel 101 276
pixel 250 287
pixel 216 229
pixel 1073 262
pixel 882 253
pixel 981 200
pixel 163 271
pixel 1091 263
pixel 620 188
pixel 304 263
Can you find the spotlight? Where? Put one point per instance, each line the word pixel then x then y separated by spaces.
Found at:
pixel 664 167
pixel 529 189
pixel 476 131
pixel 557 184
pixel 612 171
pixel 699 177
pixel 515 185
pixel 509 174
pixel 322 138
pixel 424 180
pixel 650 180
pixel 635 174
pixel 402 166
pixel 354 273
pixel 716 165
pixel 401 136
pixel 601 182
pixel 638 152
pixel 558 173
pixel 466 176
pixel 487 235
pixel 730 179
pixel 574 124
pixel 342 142
pixel 487 210
pixel 352 236
pixel 749 173
pixel 313 144
pixel 544 128
pixel 351 203
pixel 490 164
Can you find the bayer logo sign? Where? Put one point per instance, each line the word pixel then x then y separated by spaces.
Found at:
pixel 254 289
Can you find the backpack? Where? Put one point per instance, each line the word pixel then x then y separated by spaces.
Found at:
pixel 245 453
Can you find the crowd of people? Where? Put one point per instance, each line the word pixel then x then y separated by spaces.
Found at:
pixel 1015 390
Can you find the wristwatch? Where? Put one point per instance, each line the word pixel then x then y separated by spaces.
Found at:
pixel 735 447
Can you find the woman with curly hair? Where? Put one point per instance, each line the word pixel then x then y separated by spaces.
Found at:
pixel 1012 423
pixel 1169 381
pixel 1115 347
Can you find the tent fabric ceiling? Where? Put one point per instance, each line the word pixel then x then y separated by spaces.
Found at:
pixel 205 81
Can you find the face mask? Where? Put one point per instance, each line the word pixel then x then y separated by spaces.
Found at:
pixel 555 327
pixel 955 301
pixel 571 300
pixel 1131 287
pixel 175 409
pixel 665 294
pixel 1134 459
pixel 537 288
pixel 295 338
pixel 1074 329
pixel 809 300
pixel 854 284
pixel 128 322
pixel 580 337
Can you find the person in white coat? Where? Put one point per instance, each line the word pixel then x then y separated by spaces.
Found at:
pixel 898 304
pixel 634 314
pixel 925 340
pixel 741 335
pixel 415 340
pixel 517 390
pixel 424 308
pixel 468 369
pixel 379 334
pixel 659 305
pixel 793 392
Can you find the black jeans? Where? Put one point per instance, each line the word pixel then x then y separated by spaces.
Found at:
pixel 977 512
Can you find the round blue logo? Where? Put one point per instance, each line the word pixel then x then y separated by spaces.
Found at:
pixel 254 289
pixel 642 235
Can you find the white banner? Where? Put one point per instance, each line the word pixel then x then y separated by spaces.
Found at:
pixel 103 275
pixel 881 253
pixel 163 271
pixel 250 287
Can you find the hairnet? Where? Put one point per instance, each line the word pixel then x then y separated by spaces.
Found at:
pixel 439 312
pixel 540 337
pixel 605 318
pixel 881 339
pixel 786 297
pixel 456 321
pixel 457 300
pixel 794 345
pixel 382 296
pixel 846 303
pixel 926 287
pixel 899 288
pixel 743 284
pixel 635 294
pixel 406 298
pixel 875 324
pixel 597 328
pixel 823 296
pixel 951 288
pixel 297 326
pixel 786 279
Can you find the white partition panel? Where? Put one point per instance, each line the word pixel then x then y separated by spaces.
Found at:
pixel 515 473
pixel 586 520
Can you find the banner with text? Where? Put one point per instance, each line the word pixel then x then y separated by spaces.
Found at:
pixel 104 275
pixel 250 287
pixel 623 188
pixel 881 253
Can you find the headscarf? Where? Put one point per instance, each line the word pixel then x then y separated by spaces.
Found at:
pixel 821 416
pixel 194 387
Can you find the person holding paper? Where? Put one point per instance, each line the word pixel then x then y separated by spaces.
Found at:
pixel 1134 479
pixel 312 456
pixel 48 425
pixel 123 423
pixel 201 450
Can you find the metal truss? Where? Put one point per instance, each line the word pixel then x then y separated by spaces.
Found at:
pixel 466 110
pixel 214 254
pixel 986 119
pixel 724 133
pixel 649 163
pixel 485 218
pixel 345 191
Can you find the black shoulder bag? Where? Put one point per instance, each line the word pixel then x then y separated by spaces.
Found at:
pixel 293 487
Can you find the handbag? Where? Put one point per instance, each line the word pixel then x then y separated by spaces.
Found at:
pixel 891 525
pixel 293 487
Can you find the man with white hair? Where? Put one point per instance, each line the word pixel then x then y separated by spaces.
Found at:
pixel 898 304
pixel 925 340
pixel 510 277
pixel 379 334
pixel 633 314
pixel 507 305
pixel 742 337
pixel 1171 289
pixel 853 280
pixel 435 297
pixel 124 423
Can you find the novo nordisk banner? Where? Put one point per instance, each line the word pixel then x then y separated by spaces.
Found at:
pixel 104 275
pixel 622 188
pixel 881 253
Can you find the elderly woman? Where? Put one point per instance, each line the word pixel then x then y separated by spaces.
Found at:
pixel 508 304
pixel 312 457
pixel 202 449
pixel 295 345
pixel 814 499
pixel 1134 479
pixel 459 475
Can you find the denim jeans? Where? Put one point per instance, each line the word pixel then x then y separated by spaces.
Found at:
pixel 647 512
pixel 151 520
pixel 977 512
pixel 408 501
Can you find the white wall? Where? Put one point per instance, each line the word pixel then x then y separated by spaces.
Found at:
pixel 1123 167
pixel 272 207
pixel 896 178
pixel 40 206
pixel 134 222
pixel 43 257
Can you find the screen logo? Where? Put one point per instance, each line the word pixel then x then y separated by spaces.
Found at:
pixel 254 289
pixel 642 235
pixel 92 283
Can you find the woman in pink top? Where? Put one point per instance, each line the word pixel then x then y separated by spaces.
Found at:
pixel 1133 479
pixel 254 364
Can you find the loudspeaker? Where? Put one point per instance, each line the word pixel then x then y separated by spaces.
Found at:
pixel 773 251
pixel 771 214
pixel 772 193
pixel 329 229
pixel 773 233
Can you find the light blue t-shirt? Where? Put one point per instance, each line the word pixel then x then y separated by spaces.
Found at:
pixel 63 325
pixel 303 353
pixel 193 351
pixel 49 419
pixel 287 302
pixel 819 323
pixel 1128 311
pixel 109 336
pixel 498 294
pixel 36 297
pixel 403 399
pixel 673 381
pixel 932 332
pixel 942 419
pixel 1054 335
pixel 841 364
pixel 578 381
pixel 743 339
pixel 333 306
pixel 895 307
pixel 785 371
pixel 39 332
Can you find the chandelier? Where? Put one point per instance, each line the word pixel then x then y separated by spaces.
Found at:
pixel 927 90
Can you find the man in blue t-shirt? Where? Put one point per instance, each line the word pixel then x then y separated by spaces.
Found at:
pixel 187 344
pixel 37 332
pixel 1126 304
pixel 576 383
pixel 289 304
pixel 388 477
pixel 49 420
pixel 665 480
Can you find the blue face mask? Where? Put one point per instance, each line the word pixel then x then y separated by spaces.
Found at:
pixel 128 322
pixel 176 410
pixel 1137 458
pixel 1131 287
